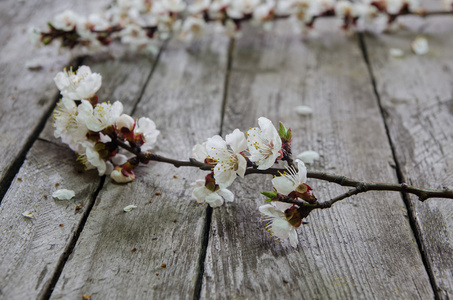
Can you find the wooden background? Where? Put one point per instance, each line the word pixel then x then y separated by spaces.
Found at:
pixel 376 118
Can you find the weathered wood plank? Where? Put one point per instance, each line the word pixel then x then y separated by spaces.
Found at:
pixel 184 98
pixel 362 248
pixel 416 95
pixel 32 250
pixel 27 96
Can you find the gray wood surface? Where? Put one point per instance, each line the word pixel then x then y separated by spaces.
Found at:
pixel 27 97
pixel 184 98
pixel 362 248
pixel 416 94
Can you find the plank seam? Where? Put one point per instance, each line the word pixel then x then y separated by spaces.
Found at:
pixel 148 79
pixel 70 249
pixel 227 82
pixel 401 179
pixel 19 161
pixel 207 224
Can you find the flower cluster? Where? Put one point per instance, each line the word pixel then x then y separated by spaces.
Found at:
pixel 263 147
pixel 114 143
pixel 138 23
pixel 93 129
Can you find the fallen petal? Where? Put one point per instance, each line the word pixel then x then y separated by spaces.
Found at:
pixel 395 52
pixel 308 157
pixel 64 194
pixel 420 46
pixel 28 214
pixel 304 110
pixel 129 208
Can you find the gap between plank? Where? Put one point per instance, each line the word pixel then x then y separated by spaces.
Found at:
pixel 64 258
pixel 18 162
pixel 207 224
pixel 401 179
pixel 148 79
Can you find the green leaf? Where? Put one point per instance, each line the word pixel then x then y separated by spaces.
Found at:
pixel 282 131
pixel 289 134
pixel 47 40
pixel 271 194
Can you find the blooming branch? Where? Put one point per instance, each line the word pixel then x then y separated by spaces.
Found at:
pixel 139 24
pixel 115 144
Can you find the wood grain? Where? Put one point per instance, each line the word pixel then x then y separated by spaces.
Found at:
pixel 416 95
pixel 27 96
pixel 363 247
pixel 184 98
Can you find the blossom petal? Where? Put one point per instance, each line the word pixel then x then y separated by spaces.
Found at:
pixel 129 208
pixel 200 193
pixel 302 171
pixel 281 228
pixel 224 178
pixel 303 110
pixel 214 146
pixel 63 194
pixel 308 157
pixel 283 185
pixel 214 200
pixel 237 141
pixel 28 214
pixel 269 210
pixel 242 165
pixel 293 240
pixel 227 195
pixel 199 151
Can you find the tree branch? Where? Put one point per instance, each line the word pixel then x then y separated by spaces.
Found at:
pixel 359 186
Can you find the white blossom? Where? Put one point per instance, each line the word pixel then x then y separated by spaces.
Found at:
pixel 118 176
pixel 291 180
pixel 78 85
pixel 91 158
pixel 214 199
pixel 200 152
pixel 192 29
pixel 66 21
pixel 230 161
pixel 420 46
pixel 264 144
pixel 278 225
pixel 101 116
pixel 125 121
pixel 147 127
pixel 134 36
pixel 173 6
pixel 66 125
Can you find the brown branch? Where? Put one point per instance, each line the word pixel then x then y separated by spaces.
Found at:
pixel 359 186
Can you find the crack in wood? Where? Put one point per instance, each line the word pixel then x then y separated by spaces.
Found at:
pixel 401 179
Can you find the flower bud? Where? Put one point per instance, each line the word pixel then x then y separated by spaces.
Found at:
pixel 121 175
pixel 126 122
